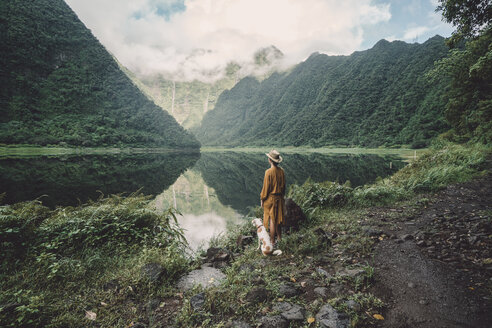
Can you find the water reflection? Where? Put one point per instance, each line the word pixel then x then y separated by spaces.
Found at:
pixel 238 177
pixel 212 190
pixel 68 180
pixel 202 214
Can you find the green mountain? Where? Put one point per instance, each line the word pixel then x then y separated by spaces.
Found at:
pixel 375 97
pixel 188 101
pixel 59 85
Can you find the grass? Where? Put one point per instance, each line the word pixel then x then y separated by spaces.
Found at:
pixel 58 265
pixel 20 151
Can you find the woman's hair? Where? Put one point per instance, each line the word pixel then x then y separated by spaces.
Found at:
pixel 274 163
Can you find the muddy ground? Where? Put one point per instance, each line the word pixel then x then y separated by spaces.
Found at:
pixel 435 269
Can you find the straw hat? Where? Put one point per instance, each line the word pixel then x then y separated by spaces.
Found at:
pixel 274 156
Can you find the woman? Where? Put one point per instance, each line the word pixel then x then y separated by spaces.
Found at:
pixel 272 196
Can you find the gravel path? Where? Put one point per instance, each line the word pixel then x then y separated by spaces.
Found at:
pixel 436 269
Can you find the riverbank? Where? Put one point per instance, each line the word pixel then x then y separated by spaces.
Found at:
pixel 77 267
pixel 28 151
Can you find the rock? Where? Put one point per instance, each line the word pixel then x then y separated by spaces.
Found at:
pixel 237 324
pixel 371 232
pixel 243 241
pixel 351 304
pixel 337 288
pixel 218 256
pixel 325 237
pixel 245 267
pixel 288 289
pixel 323 272
pixel 321 291
pixel 257 294
pixel 406 237
pixel 328 317
pixel 291 312
pixel 274 321
pixel 352 273
pixel 293 216
pixel 197 301
pixel 204 277
pixel 152 271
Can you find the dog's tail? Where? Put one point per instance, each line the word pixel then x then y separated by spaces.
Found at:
pixel 277 252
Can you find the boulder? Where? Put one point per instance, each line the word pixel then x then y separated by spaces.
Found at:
pixel 328 317
pixel 204 277
pixel 257 294
pixel 290 312
pixel 321 291
pixel 243 241
pixel 237 324
pixel 293 216
pixel 274 321
pixel 288 289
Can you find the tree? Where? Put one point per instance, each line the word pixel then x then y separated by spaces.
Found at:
pixel 470 17
pixel 469 105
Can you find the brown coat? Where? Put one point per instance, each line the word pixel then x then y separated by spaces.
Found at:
pixel 272 196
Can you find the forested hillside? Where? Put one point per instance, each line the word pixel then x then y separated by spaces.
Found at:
pixel 376 97
pixel 188 100
pixel 59 85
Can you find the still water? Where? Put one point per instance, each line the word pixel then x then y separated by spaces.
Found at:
pixel 212 190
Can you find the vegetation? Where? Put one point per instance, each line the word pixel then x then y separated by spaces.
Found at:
pixel 188 101
pixel 469 97
pixel 239 188
pixel 370 98
pixel 341 212
pixel 61 87
pixel 58 266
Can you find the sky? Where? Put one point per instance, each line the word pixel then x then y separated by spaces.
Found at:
pixel 196 39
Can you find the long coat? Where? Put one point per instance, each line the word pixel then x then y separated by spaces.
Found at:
pixel 272 196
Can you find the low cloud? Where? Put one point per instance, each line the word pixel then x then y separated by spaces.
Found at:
pixel 196 39
pixel 413 33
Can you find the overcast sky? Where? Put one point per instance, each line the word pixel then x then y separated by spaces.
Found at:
pixel 187 37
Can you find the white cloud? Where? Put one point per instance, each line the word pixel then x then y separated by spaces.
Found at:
pixel 211 33
pixel 414 32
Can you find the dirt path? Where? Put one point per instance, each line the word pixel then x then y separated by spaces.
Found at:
pixel 435 270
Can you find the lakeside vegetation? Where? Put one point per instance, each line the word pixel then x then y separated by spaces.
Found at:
pixel 58 265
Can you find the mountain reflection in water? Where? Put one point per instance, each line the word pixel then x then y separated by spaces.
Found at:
pixel 212 190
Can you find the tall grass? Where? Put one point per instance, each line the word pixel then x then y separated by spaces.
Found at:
pixel 444 163
pixel 55 263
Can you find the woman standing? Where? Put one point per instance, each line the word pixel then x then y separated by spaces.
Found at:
pixel 272 196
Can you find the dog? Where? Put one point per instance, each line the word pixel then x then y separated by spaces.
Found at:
pixel 264 239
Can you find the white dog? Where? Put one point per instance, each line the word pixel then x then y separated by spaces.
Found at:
pixel 264 239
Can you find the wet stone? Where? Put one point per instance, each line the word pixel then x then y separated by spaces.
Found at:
pixel 290 312
pixel 328 317
pixel 197 301
pixel 275 321
pixel 321 291
pixel 257 294
pixel 288 289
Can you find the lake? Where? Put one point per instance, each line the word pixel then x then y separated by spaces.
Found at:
pixel 212 189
